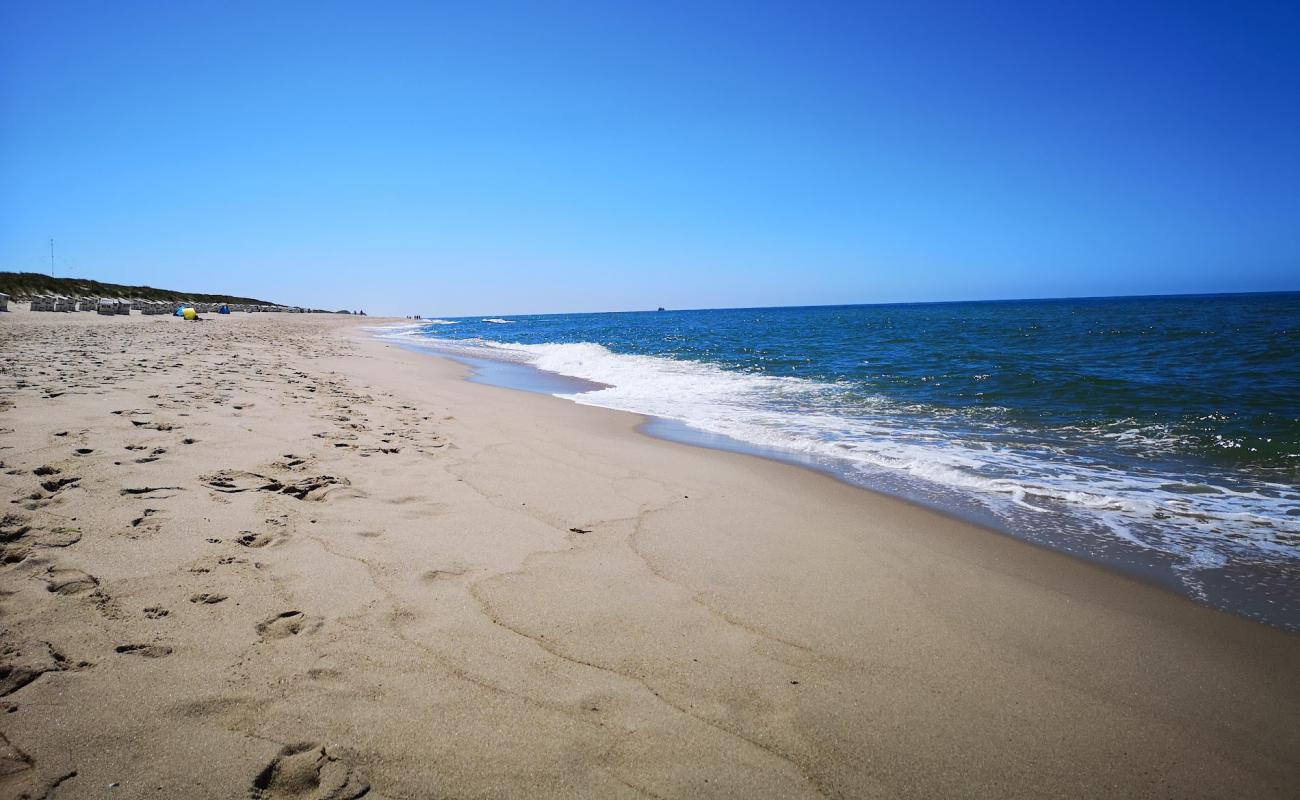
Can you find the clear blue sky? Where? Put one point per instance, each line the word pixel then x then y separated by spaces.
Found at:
pixel 484 158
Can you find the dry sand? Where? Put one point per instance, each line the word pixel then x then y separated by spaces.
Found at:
pixel 268 556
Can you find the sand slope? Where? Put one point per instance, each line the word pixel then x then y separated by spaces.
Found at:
pixel 268 557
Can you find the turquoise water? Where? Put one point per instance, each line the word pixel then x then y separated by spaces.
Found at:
pixel 1159 434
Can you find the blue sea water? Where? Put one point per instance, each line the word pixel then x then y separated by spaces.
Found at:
pixel 1157 434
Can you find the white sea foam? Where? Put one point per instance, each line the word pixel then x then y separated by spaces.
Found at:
pixel 407 330
pixel 396 330
pixel 1017 470
pixel 499 321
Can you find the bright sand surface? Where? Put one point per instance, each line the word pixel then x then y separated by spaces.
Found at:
pixel 270 556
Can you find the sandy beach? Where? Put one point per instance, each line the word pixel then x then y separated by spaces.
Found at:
pixel 271 556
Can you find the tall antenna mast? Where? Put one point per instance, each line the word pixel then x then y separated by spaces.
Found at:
pixel 51 257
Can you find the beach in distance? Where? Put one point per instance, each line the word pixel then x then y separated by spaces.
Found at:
pixel 1043 550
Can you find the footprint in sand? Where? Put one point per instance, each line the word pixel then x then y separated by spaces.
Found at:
pixel 155 426
pixel 233 480
pixel 312 772
pixel 291 462
pixel 145 650
pixel 13 761
pixel 156 612
pixel 152 492
pixel 25 661
pixel 315 488
pixel 149 522
pixel 56 485
pixel 50 489
pixel 154 455
pixel 18 538
pixel 207 598
pixel 286 624
pixel 69 581
pixel 251 539
pixel 146 519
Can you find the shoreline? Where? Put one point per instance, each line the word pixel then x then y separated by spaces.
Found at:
pixel 1233 587
pixel 444 588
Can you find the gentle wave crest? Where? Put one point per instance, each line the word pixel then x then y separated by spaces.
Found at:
pixel 397 330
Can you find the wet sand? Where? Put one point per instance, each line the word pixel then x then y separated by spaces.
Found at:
pixel 269 556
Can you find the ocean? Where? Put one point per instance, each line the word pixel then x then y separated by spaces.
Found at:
pixel 1158 435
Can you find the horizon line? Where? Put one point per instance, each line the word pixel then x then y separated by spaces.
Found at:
pixel 656 310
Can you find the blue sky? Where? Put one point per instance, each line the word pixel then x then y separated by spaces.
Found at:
pixel 509 158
